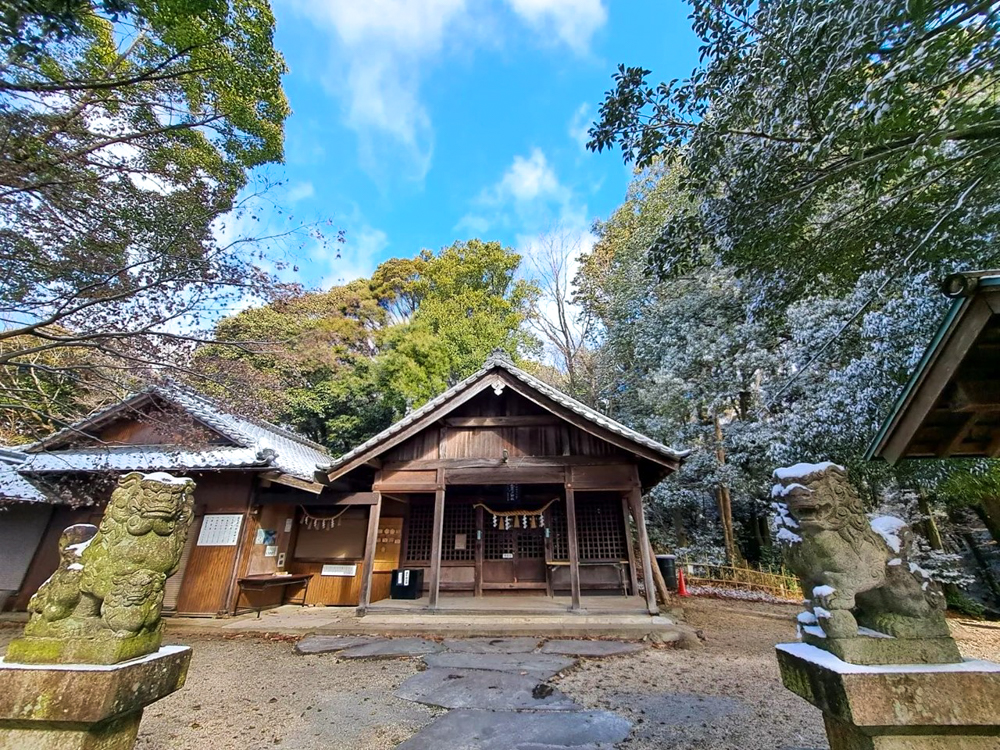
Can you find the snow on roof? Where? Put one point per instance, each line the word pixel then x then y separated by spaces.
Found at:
pixel 803 470
pixel 13 486
pixel 258 443
pixel 143 458
pixel 501 361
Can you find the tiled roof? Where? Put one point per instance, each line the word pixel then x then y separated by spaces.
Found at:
pixel 531 381
pixel 13 486
pixel 258 443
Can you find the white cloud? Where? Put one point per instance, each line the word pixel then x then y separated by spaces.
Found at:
pixel 377 53
pixel 528 194
pixel 573 22
pixel 580 124
pixel 529 178
pixel 380 52
pixel 300 191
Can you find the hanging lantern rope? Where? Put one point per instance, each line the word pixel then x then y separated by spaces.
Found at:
pixel 522 518
pixel 320 522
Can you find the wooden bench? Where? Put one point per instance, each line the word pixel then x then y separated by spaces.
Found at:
pixel 620 567
pixel 267 581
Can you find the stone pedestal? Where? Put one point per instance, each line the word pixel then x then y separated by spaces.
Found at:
pixel 84 706
pixel 897 707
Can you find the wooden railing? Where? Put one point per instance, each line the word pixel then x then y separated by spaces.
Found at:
pixel 781 585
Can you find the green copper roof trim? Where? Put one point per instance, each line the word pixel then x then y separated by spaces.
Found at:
pixel 953 312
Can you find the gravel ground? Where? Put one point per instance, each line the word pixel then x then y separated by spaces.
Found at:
pixel 252 692
pixel 725 695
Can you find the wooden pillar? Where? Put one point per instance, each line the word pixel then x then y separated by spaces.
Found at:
pixel 480 533
pixel 371 542
pixel 632 572
pixel 437 538
pixel 635 498
pixel 574 550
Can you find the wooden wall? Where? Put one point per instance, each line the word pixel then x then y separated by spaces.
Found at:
pixel 476 430
pixel 209 586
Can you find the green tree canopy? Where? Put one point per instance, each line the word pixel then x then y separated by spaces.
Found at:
pixel 343 364
pixel 129 131
pixel 825 138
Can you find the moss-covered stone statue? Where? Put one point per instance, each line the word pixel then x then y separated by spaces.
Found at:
pixel 102 605
pixel 867 603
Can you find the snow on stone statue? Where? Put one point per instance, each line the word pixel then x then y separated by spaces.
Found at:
pixel 868 604
pixel 102 605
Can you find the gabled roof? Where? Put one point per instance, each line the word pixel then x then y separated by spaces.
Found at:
pixel 951 404
pixel 256 443
pixel 14 488
pixel 486 377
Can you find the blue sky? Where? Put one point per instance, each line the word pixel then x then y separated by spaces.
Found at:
pixel 420 122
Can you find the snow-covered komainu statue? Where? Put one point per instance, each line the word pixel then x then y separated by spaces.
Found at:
pixel 102 605
pixel 856 573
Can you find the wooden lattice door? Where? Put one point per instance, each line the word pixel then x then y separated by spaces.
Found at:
pixel 512 557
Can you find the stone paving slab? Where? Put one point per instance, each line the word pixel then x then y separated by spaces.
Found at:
pixel 539 666
pixel 325 644
pixel 389 648
pixel 590 649
pixel 544 730
pixel 491 645
pixel 480 689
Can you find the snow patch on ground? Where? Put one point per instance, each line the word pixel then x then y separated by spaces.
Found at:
pixel 888 527
pixel 740 594
pixel 798 471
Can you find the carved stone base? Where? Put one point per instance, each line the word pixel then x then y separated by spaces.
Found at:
pixel 86 706
pixel 897 707
pixel 100 648
pixel 884 651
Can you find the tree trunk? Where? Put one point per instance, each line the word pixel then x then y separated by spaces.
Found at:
pixel 724 499
pixel 930 525
pixel 677 518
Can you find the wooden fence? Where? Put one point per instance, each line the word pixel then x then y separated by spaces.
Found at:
pixel 781 585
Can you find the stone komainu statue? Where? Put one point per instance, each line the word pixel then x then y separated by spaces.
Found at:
pixel 856 573
pixel 102 605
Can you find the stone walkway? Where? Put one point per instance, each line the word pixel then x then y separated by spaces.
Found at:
pixel 496 688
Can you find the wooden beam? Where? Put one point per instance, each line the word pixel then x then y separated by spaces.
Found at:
pixel 480 533
pixel 633 573
pixel 506 475
pixel 437 539
pixel 425 464
pixel 289 481
pixel 574 550
pixel 976 396
pixel 535 420
pixel 951 446
pixel 635 498
pixel 993 449
pixel 371 542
